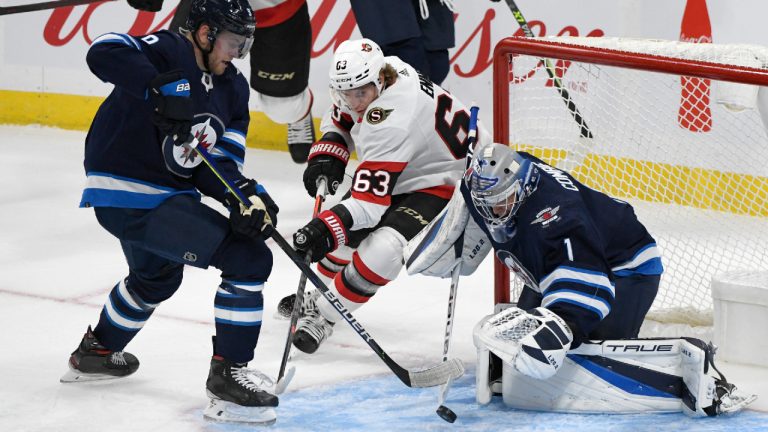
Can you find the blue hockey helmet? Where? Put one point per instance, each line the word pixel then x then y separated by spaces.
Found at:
pixel 499 180
pixel 235 16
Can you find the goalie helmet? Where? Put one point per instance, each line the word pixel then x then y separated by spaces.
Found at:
pixel 499 180
pixel 234 16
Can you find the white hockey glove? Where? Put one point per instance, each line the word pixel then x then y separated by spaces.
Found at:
pixel 534 342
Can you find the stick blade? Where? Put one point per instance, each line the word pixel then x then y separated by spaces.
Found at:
pixel 437 375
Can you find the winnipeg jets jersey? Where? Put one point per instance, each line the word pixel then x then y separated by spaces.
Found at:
pixel 570 243
pixel 413 137
pixel 128 162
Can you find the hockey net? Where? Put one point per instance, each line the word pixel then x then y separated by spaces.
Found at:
pixel 674 128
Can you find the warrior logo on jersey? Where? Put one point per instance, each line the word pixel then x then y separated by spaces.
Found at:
pixel 546 216
pixel 182 160
pixel 377 115
pixel 514 265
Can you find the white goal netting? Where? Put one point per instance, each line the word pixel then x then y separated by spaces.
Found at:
pixel 670 127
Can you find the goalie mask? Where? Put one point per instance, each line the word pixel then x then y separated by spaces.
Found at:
pixel 499 180
pixel 355 73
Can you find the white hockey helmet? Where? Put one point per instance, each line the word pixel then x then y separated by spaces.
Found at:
pixel 499 180
pixel 355 64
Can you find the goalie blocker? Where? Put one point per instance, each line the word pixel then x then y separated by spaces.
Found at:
pixel 612 376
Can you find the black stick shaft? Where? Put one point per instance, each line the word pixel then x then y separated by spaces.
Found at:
pixel 585 132
pixel 322 190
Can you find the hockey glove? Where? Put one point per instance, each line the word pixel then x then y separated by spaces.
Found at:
pixel 258 220
pixel 327 157
pixel 321 235
pixel 146 5
pixel 173 105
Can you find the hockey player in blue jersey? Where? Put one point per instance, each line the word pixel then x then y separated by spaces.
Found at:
pixel 145 188
pixel 582 254
pixel 591 272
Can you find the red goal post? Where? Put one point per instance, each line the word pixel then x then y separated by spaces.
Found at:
pixel 597 76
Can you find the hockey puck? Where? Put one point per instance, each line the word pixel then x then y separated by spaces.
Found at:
pixel 446 414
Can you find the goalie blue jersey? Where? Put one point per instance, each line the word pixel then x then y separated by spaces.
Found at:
pixel 571 243
pixel 128 162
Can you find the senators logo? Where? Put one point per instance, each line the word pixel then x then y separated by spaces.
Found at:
pixel 367 47
pixel 377 115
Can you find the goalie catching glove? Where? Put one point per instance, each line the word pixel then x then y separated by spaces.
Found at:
pixel 260 218
pixel 534 342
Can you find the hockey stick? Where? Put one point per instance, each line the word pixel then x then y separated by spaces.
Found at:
pixel 584 132
pixel 33 7
pixel 322 191
pixel 429 377
pixel 443 411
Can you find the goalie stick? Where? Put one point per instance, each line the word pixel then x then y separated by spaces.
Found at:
pixel 322 191
pixel 33 7
pixel 429 377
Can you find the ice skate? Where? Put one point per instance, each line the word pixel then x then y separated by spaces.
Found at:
pixel 312 328
pixel 301 136
pixel 285 306
pixel 91 361
pixel 237 394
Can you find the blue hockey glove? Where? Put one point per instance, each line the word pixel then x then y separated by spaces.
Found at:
pixel 260 218
pixel 173 113
pixel 146 5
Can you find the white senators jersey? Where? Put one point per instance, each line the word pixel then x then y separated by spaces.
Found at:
pixel 412 138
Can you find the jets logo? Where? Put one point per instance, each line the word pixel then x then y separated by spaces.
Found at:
pixel 377 115
pixel 182 160
pixel 546 216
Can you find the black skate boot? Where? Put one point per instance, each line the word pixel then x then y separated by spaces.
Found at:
pixel 236 394
pixel 312 328
pixel 301 136
pixel 285 306
pixel 91 361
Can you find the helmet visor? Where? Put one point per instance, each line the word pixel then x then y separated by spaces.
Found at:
pixel 357 99
pixel 234 44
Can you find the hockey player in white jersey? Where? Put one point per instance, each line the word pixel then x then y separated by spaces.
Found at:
pixel 411 139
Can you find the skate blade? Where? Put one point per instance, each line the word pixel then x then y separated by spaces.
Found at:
pixel 223 411
pixel 73 376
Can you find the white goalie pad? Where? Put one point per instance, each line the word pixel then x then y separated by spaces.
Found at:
pixel 621 377
pixel 451 237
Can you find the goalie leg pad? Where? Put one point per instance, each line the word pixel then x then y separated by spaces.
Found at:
pixel 704 395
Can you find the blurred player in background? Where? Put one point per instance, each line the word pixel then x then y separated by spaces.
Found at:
pixel 280 58
pixel 411 138
pixel 144 183
pixel 418 32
